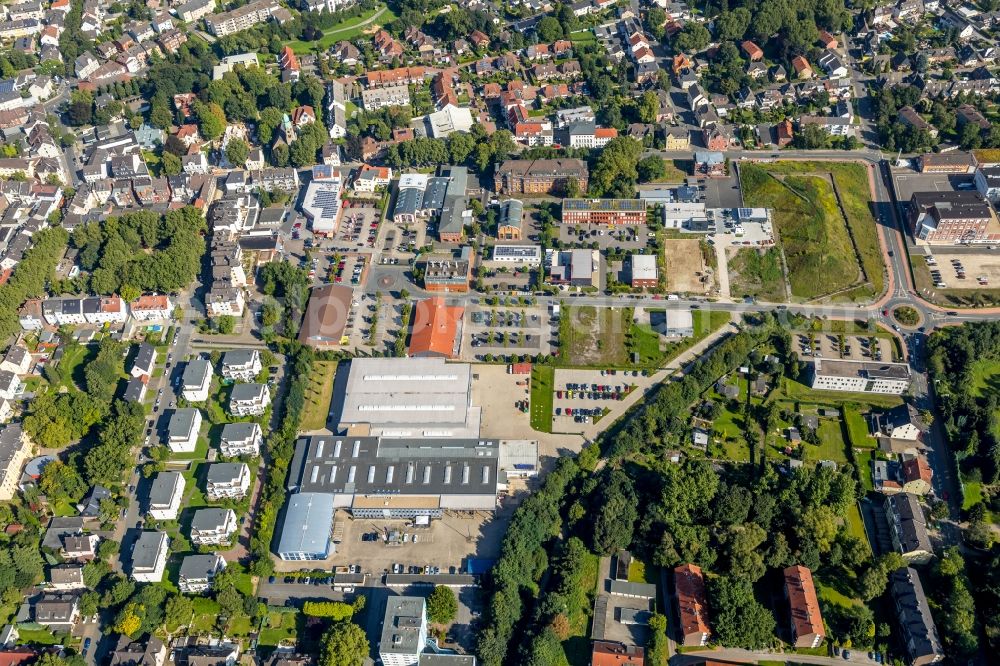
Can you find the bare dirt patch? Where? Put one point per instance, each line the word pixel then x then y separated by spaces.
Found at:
pixel 686 267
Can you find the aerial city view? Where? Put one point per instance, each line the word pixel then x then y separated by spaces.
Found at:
pixel 482 333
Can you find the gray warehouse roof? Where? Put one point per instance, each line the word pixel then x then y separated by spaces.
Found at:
pixel 308 521
pixel 425 392
pixel 368 465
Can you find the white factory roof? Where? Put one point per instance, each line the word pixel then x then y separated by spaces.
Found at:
pixel 396 393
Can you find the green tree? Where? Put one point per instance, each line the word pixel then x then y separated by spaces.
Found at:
pixel 211 120
pixel 442 605
pixel 651 168
pixel 171 164
pixel 616 514
pixel 178 611
pixel 693 37
pixel 740 620
pixel 343 644
pixel 226 324
pixel 549 29
pixel 237 152
pixel 336 610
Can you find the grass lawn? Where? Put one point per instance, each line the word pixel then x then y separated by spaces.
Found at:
pixel 831 595
pixel 319 391
pixel 590 336
pixel 645 342
pixel 638 572
pixel 856 526
pixel 200 451
pixel 857 428
pixel 38 636
pixel 865 459
pixel 972 494
pixel 810 228
pixel 585 36
pixel 542 381
pixel 984 375
pixel 831 443
pixel 280 626
pixel 757 274
pixel 347 29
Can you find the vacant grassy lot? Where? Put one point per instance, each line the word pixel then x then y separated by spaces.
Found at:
pixel 319 392
pixel 758 274
pixel 590 336
pixel 542 381
pixel 854 191
pixel 347 29
pixel 811 230
pixel 831 443
pixel 654 351
pixel 857 428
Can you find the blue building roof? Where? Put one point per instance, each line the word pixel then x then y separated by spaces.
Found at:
pixel 307 526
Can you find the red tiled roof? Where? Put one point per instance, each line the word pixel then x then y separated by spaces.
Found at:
pixel 606 653
pixel 802 600
pixel 690 584
pixel 435 326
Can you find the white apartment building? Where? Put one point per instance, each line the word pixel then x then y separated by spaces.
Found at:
pixel 165 495
pixel 196 380
pixel 149 557
pixel 183 430
pixel 249 399
pixel 404 631
pixel 227 481
pixel 860 376
pixel 212 526
pixel 241 18
pixel 14 449
pixel 241 365
pixel 197 573
pixel 241 439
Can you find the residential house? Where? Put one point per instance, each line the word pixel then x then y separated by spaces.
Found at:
pixel 806 620
pixel 908 528
pixel 692 605
pixel 918 633
pixel 197 573
pixel 196 380
pixel 58 612
pixel 149 652
pixel 241 365
pixel 149 557
pixel 144 362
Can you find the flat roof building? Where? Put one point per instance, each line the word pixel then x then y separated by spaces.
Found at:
pixel 413 397
pixel 378 478
pixel 305 532
pixel 540 176
pixel 604 211
pixel 953 217
pixel 860 376
pixel 644 272
pixel 530 255
pixel 404 631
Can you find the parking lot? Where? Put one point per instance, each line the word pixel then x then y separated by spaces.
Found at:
pixel 964 270
pixel 358 226
pixel 624 237
pixel 856 347
pixel 583 396
pixel 508 331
